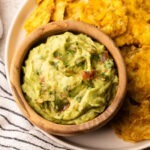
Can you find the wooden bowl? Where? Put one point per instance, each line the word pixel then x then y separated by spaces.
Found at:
pixel 36 37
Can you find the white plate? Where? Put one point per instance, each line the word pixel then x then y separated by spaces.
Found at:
pixel 103 139
pixel 1 28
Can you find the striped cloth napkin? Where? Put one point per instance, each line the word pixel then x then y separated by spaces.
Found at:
pixel 16 132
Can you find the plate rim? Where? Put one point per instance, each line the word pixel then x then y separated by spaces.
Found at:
pixel 52 137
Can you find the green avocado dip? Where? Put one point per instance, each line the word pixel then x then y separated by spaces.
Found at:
pixel 69 79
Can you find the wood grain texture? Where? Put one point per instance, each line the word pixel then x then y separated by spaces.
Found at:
pixel 56 28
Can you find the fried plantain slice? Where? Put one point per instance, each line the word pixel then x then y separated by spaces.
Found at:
pixel 39 1
pixel 138 29
pixel 60 6
pixel 109 16
pixel 138 70
pixel 40 16
pixel 74 10
pixel 133 121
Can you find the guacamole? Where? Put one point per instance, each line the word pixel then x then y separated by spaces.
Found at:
pixel 69 79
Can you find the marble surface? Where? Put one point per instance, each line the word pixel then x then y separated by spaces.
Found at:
pixel 8 10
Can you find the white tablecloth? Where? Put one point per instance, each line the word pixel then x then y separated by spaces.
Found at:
pixel 8 9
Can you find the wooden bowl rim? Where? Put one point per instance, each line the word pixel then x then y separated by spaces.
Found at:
pixel 56 28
